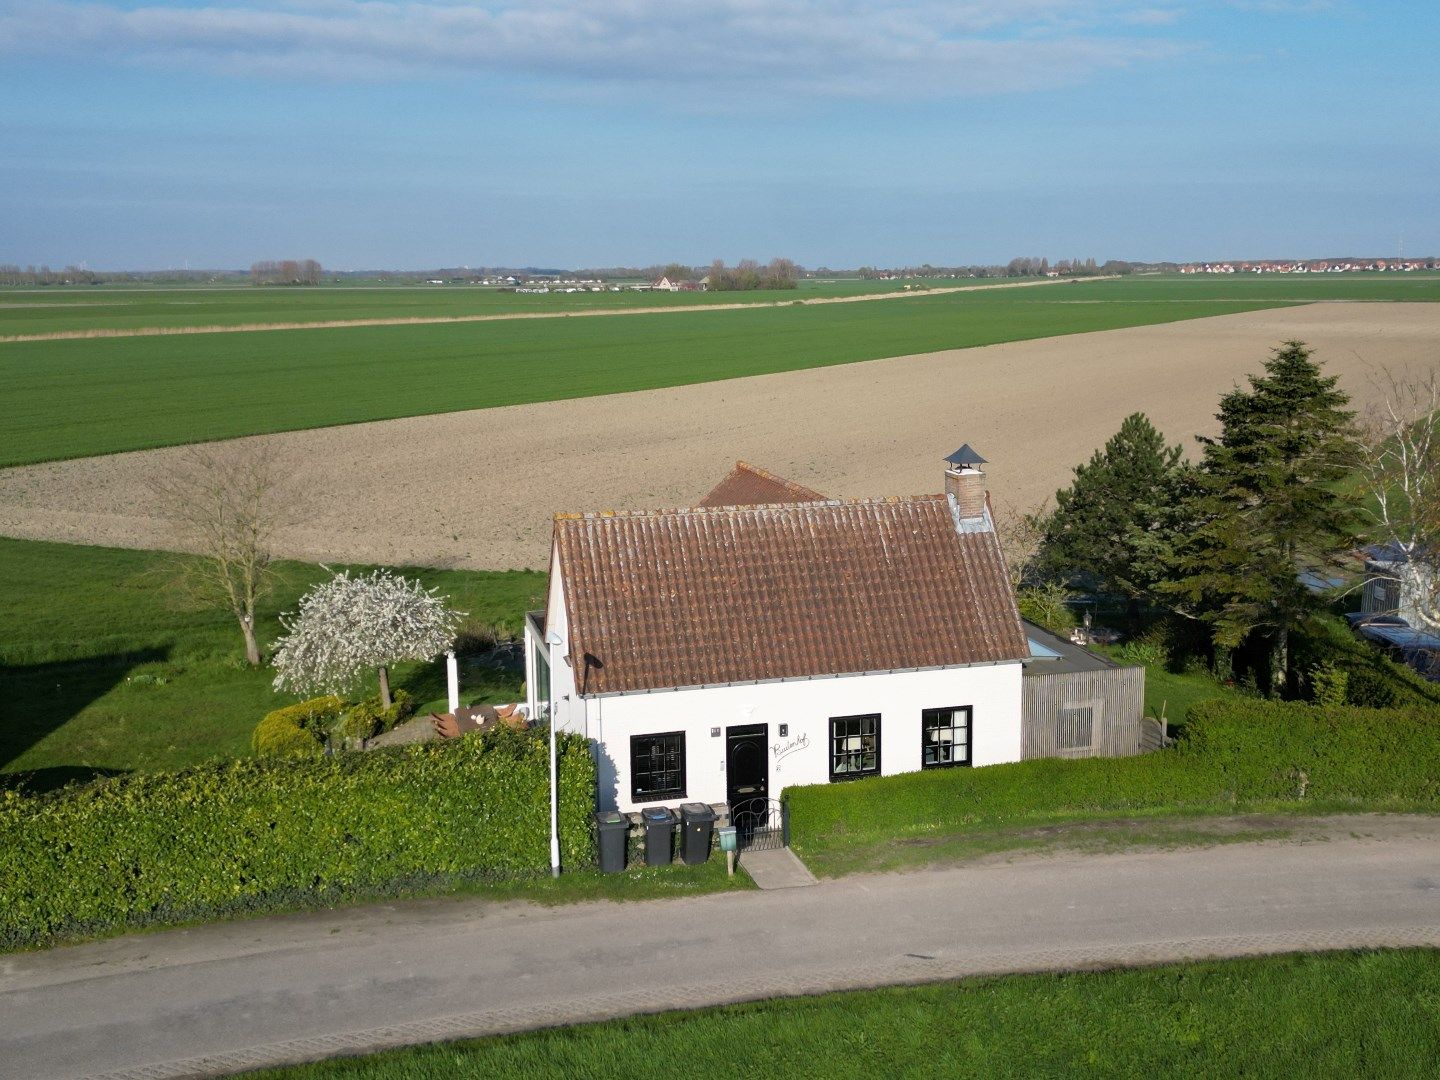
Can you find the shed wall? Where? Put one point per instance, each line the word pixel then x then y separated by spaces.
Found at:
pixel 1116 696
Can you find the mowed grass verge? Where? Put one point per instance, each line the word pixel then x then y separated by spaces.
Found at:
pixel 1332 1014
pixel 100 673
pixel 78 398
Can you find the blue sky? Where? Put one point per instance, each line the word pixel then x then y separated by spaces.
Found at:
pixel 386 134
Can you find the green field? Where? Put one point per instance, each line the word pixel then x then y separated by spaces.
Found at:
pixel 80 397
pixel 51 310
pixel 1352 1014
pixel 76 398
pixel 99 674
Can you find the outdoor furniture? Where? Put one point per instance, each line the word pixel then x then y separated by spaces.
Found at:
pixel 464 720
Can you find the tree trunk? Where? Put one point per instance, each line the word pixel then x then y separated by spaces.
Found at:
pixel 385 688
pixel 252 650
pixel 1280 662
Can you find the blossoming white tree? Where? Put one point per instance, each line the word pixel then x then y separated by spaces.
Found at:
pixel 348 625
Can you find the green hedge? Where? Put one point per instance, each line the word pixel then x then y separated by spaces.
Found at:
pixel 257 835
pixel 1233 752
pixel 1268 751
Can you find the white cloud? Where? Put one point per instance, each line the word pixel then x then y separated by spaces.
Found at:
pixel 807 48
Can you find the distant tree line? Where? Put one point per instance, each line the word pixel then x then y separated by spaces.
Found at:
pixel 1024 266
pixel 11 274
pixel 286 272
pixel 750 275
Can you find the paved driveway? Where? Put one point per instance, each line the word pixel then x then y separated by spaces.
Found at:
pixel 247 994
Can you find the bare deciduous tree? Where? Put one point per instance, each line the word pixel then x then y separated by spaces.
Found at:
pixel 1399 460
pixel 1021 533
pixel 225 505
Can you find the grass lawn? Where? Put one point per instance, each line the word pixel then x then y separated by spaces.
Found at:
pixel 1331 1014
pixel 100 674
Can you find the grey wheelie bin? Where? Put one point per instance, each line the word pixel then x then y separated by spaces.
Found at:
pixel 614 830
pixel 659 835
pixel 697 823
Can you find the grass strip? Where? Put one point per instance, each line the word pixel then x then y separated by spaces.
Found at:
pixel 1371 1013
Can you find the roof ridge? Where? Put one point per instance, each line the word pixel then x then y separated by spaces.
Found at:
pixel 783 481
pixel 811 504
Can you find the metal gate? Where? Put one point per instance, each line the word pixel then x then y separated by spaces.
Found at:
pixel 761 824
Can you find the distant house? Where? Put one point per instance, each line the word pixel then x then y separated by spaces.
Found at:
pixel 667 284
pixel 1398 584
pixel 771 636
pixel 1398 606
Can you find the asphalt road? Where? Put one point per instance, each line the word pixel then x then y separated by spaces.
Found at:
pixel 242 995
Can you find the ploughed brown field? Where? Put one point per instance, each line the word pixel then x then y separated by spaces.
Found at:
pixel 477 489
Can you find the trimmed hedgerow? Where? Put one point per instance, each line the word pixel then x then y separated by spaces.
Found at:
pixel 1280 751
pixel 1233 753
pixel 260 834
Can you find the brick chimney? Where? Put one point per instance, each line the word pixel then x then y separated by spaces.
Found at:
pixel 965 481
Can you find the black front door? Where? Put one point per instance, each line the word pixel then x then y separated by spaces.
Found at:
pixel 747 763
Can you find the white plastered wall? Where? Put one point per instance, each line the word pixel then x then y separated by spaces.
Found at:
pixel 805 706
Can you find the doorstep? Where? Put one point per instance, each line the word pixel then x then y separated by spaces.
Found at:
pixel 779 868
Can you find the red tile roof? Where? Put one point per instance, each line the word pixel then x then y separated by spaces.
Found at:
pixel 719 595
pixel 748 486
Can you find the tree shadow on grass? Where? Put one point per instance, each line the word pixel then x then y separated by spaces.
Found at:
pixel 37 700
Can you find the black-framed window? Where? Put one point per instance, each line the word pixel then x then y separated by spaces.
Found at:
pixel 854 746
pixel 657 766
pixel 1075 727
pixel 945 737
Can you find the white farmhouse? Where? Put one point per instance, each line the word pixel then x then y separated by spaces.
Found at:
pixel 772 637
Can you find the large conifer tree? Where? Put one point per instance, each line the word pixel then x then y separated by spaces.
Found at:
pixel 1270 504
pixel 1101 521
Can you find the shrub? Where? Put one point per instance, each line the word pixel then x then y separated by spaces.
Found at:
pixel 1145 653
pixel 1372 679
pixel 281 737
pixel 296 730
pixel 316 714
pixel 1329 684
pixel 253 835
pixel 1047 606
pixel 366 719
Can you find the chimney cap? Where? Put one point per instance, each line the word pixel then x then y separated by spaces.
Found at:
pixel 966 455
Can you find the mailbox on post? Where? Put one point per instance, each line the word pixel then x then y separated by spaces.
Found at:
pixel 729 844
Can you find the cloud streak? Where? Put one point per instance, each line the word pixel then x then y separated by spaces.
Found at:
pixel 750 48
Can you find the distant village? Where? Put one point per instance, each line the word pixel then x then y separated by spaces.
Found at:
pixel 1312 266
